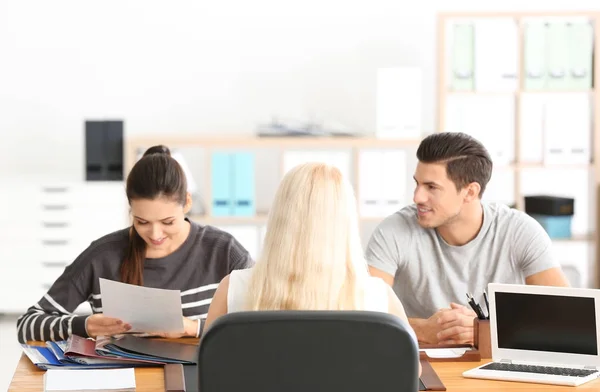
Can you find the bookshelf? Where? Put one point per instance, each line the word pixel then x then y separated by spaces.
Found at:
pixel 530 77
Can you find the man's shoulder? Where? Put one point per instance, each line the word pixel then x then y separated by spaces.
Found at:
pixel 406 217
pixel 505 218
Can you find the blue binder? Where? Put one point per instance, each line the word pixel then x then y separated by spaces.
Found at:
pixel 244 184
pixel 221 179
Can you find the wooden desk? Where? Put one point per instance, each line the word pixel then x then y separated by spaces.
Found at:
pixel 29 378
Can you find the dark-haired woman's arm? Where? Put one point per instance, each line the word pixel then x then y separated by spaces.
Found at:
pixel 52 318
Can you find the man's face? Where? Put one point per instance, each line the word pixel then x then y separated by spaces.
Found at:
pixel 438 202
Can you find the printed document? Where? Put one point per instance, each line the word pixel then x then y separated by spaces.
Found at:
pixel 146 309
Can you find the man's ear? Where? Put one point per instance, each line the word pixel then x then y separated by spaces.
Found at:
pixel 188 203
pixel 473 190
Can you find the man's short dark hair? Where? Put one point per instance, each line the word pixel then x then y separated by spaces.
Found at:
pixel 466 159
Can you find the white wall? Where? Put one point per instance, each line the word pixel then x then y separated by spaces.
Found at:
pixel 191 66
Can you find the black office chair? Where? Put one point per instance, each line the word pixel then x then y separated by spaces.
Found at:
pixel 308 351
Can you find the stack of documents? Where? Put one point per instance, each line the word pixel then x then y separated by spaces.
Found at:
pixel 109 352
pixel 89 380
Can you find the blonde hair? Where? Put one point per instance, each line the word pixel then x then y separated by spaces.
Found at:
pixel 312 257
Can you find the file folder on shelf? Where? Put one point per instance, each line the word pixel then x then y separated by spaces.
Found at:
pixel 567 131
pixel 558 53
pixel 462 56
pixel 581 45
pixel 496 50
pixel 221 179
pixel 370 187
pixel 535 55
pixel 382 182
pixel 394 179
pixel 243 184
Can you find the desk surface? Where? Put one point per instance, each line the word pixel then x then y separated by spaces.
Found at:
pixel 29 378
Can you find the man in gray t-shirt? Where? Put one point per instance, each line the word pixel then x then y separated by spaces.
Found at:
pixel 450 243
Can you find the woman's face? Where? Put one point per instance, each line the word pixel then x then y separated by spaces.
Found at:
pixel 160 222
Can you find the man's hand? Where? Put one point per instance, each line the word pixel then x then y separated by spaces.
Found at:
pixel 456 325
pixel 190 329
pixel 428 329
pixel 98 324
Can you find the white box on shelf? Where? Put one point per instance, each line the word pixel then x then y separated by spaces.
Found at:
pixel 567 129
pixel 399 102
pixel 370 183
pixel 394 176
pixel 382 182
pixel 496 49
pixel 532 128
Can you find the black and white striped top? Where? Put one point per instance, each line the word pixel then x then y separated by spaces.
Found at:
pixel 196 268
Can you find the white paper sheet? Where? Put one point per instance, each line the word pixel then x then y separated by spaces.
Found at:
pixel 146 309
pixel 89 379
pixel 446 352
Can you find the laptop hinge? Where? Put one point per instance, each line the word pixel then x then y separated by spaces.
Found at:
pixel 505 361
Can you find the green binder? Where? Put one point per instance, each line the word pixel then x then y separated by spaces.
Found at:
pixel 557 56
pixel 535 56
pixel 581 42
pixel 462 57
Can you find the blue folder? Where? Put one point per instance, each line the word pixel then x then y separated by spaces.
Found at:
pixel 243 185
pixel 221 179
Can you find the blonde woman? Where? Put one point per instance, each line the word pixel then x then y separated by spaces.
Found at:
pixel 312 258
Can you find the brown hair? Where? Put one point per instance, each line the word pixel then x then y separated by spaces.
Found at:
pixel 466 159
pixel 155 175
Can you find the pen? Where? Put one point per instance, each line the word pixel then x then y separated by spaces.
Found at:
pixel 487 303
pixel 476 308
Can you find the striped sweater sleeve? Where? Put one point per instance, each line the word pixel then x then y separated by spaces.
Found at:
pixel 52 318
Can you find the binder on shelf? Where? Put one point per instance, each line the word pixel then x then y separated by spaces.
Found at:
pixel 399 92
pixel 581 46
pixel 243 184
pixel 462 56
pixel 496 49
pixel 532 128
pixel 370 187
pixel 535 55
pixel 221 179
pixel 567 130
pixel 557 50
pixel 394 181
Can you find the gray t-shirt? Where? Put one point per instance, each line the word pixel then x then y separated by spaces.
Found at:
pixel 195 268
pixel 429 273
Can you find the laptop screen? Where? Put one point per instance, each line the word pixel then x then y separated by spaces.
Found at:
pixel 551 323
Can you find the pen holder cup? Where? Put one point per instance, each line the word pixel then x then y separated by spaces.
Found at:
pixel 482 338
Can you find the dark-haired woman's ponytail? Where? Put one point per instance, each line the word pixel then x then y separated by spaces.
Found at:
pixel 132 268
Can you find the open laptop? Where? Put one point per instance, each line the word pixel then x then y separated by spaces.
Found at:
pixel 541 334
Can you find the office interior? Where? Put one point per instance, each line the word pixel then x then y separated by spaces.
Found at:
pixel 246 90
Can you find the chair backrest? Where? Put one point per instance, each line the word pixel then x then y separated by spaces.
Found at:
pixel 308 351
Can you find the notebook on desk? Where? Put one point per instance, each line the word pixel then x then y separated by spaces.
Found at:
pixel 541 334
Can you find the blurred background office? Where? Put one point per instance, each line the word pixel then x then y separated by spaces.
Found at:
pixel 243 90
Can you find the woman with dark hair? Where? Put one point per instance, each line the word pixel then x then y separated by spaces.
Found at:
pixel 161 249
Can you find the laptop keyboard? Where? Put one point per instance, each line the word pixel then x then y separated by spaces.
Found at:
pixel 557 371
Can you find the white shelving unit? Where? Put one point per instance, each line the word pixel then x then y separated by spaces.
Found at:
pixel 522 83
